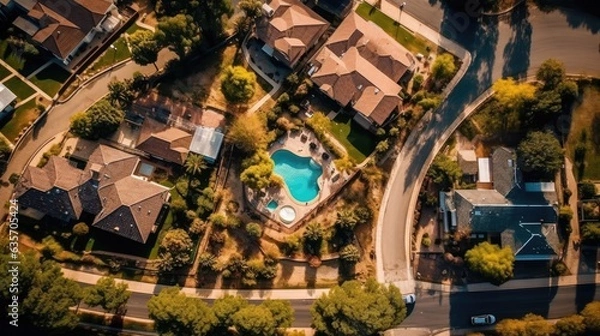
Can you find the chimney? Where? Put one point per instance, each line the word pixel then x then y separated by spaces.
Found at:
pixel 95 169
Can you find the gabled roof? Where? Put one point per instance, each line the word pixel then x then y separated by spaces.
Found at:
pixel 353 79
pixel 60 26
pixel 53 189
pixel 291 30
pixel 6 97
pixel 373 44
pixel 467 160
pixel 105 188
pixel 504 170
pixel 171 144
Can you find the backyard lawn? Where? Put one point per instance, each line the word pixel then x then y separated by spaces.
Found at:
pixel 358 142
pixel 413 43
pixel 111 56
pixel 21 118
pixel 50 79
pixel 583 143
pixel 19 88
pixel 4 72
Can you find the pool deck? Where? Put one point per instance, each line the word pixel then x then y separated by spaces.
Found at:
pixel 299 144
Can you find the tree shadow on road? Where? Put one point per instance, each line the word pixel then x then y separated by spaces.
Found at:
pixel 518 49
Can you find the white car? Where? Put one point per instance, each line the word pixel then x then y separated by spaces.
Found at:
pixel 487 319
pixel 409 298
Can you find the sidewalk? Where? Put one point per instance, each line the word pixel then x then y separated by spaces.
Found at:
pixel 312 294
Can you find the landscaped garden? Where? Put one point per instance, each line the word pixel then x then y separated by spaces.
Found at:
pixel 24 63
pixel 583 143
pixel 19 88
pixel 410 41
pixel 22 117
pixel 50 79
pixel 116 52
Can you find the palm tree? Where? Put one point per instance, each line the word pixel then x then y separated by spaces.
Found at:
pixel 194 165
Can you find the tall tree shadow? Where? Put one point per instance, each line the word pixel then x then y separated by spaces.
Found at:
pixel 518 49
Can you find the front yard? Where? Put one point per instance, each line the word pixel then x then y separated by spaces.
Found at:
pixel 4 72
pixel 410 41
pixel 19 88
pixel 50 79
pixel 583 143
pixel 116 52
pixel 24 65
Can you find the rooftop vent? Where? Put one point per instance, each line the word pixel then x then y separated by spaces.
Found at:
pixel 268 10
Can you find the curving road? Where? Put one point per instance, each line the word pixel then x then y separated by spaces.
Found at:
pixel 514 45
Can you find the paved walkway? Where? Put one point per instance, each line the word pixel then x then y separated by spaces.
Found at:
pixel 572 255
pixel 261 73
pixel 15 73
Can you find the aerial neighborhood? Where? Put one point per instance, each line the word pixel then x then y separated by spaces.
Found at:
pixel 300 167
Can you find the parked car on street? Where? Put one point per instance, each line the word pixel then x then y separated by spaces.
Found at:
pixel 486 319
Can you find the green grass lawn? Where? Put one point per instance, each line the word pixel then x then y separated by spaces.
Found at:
pixel 415 44
pixel 585 132
pixel 112 56
pixel 133 28
pixel 20 119
pixel 24 66
pixel 50 79
pixel 4 72
pixel 358 142
pixel 19 88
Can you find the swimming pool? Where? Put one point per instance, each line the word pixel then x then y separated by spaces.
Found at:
pixel 299 173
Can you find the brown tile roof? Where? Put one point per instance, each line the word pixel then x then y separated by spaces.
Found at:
pixel 353 79
pixel 62 25
pixel 170 144
pixel 292 29
pixel 198 116
pixel 131 207
pixel 53 189
pixel 374 45
pixel 105 188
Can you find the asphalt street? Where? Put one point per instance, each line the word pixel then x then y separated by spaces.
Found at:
pixel 513 45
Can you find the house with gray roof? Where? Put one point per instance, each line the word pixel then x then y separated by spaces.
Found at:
pixel 106 190
pixel 510 214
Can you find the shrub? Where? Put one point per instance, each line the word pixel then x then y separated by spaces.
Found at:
pixel 294 109
pixel 587 189
pixel 559 268
pixel 426 240
pixel 254 231
pixel 417 82
pixel 291 245
pixel 218 220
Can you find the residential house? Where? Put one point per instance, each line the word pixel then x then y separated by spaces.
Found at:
pixel 523 218
pixel 289 30
pixel 467 161
pixel 6 98
pixel 359 67
pixel 207 142
pixel 169 144
pixel 62 27
pixel 106 190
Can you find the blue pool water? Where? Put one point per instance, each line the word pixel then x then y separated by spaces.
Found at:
pixel 299 173
pixel 272 205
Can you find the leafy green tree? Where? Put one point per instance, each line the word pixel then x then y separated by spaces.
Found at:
pixel 552 73
pixel 491 261
pixel 291 245
pixel 144 47
pixel 257 170
pixel 81 229
pixel 346 219
pixel 512 95
pixel 175 250
pixel 591 232
pixel 545 105
pixel 444 172
pixel 313 238
pixel 587 189
pixel 591 317
pixel 108 294
pixel 248 132
pixel 175 314
pixel 443 67
pixel 180 33
pixel 120 93
pixel 254 321
pixel 570 326
pixel 238 84
pixel 540 154
pixel 350 254
pixel 354 309
pixel 47 303
pixel 254 230
pixel 529 325
pixel 100 120
pixel 568 91
pixel 224 308
pixel 282 312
